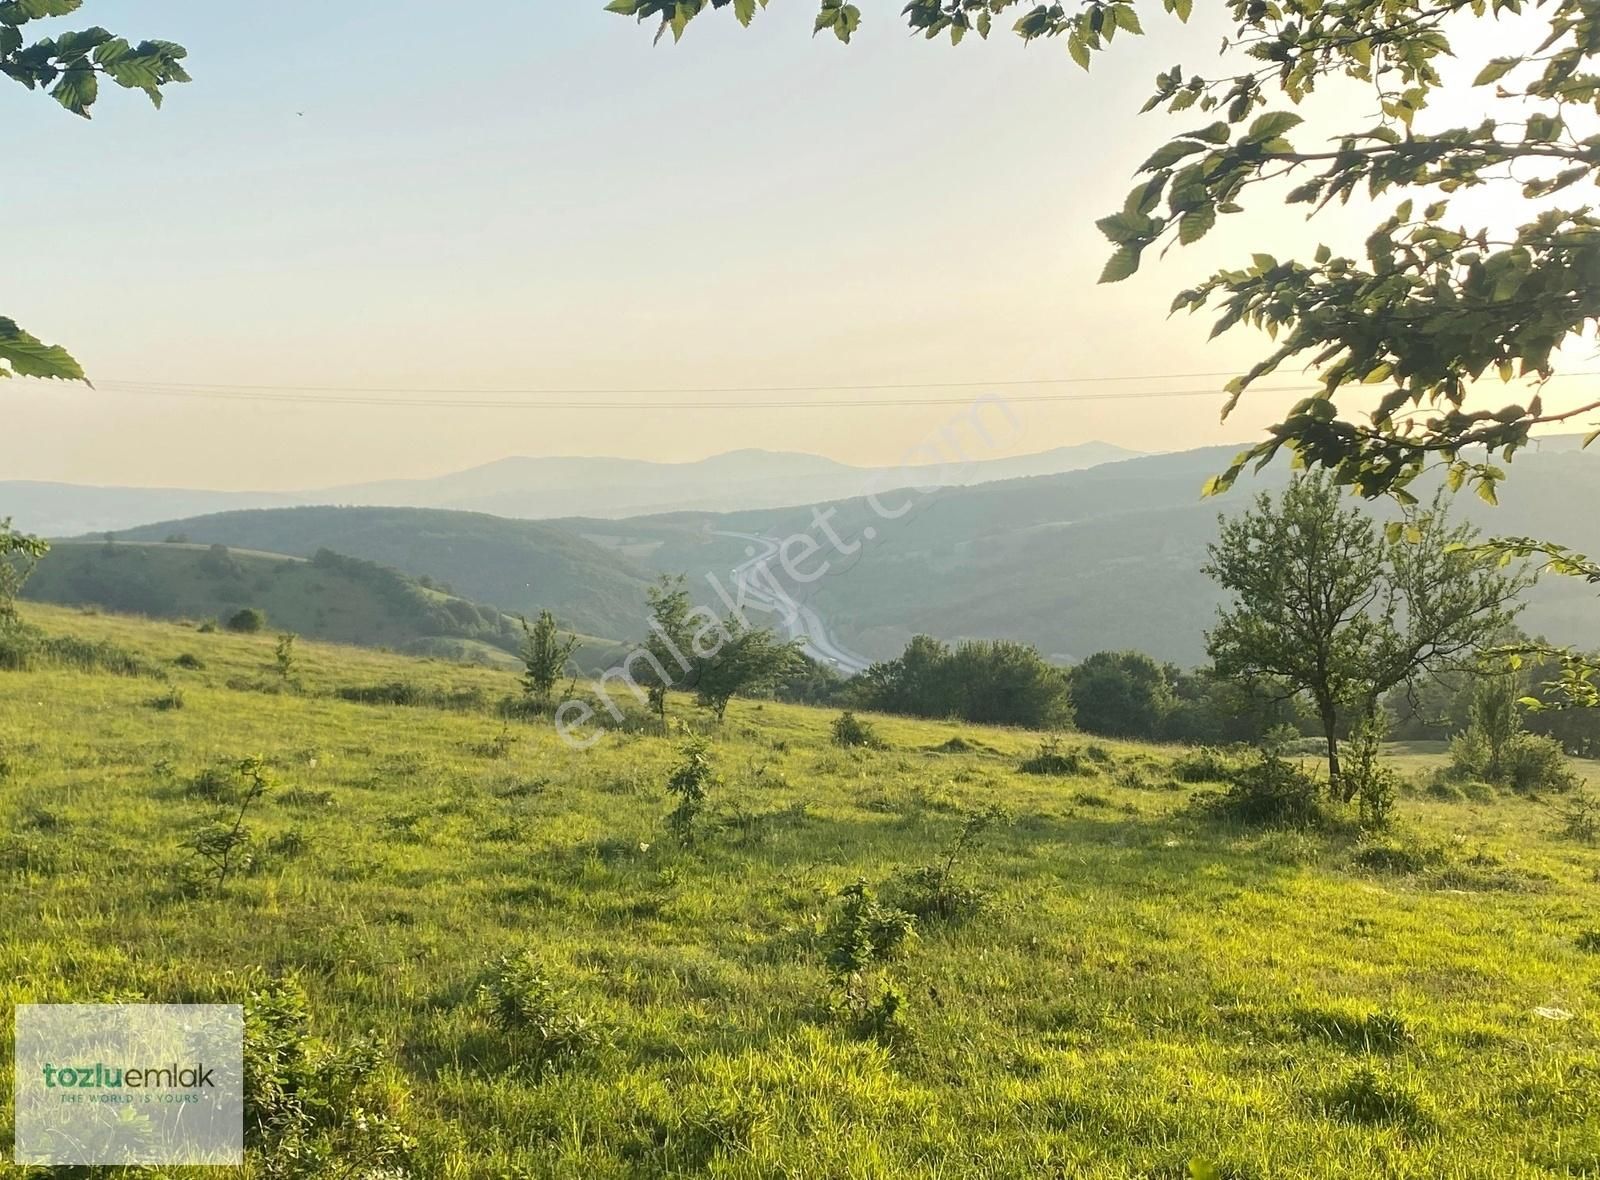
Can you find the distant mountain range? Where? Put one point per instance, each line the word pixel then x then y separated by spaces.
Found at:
pixel 534 489
pixel 1104 558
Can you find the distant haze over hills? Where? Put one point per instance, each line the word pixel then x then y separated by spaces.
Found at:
pixel 534 489
pixel 1100 559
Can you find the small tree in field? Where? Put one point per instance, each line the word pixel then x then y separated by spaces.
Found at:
pixel 544 656
pixel 18 555
pixel 283 655
pixel 1328 603
pixel 753 660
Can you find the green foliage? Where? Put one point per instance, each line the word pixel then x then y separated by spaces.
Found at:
pixel 283 655
pixel 223 846
pixel 315 1109
pixel 69 66
pixel 1434 306
pixel 1140 941
pixel 1205 764
pixel 1052 758
pixel 1121 694
pixel 1268 791
pixel 996 682
pixel 545 655
pixel 864 931
pixel 24 648
pixel 541 1018
pixel 247 621
pixel 19 553
pixel 1368 1096
pixel 751 661
pixel 937 892
pixel 1326 604
pixel 169 701
pixel 851 732
pixel 1580 818
pixel 691 783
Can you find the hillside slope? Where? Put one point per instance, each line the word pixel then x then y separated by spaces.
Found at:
pixel 330 597
pixel 1106 558
pixel 1140 986
pixel 518 566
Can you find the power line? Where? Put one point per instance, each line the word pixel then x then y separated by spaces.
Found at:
pixel 808 404
pixel 672 390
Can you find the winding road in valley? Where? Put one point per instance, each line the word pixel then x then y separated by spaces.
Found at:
pixel 798 621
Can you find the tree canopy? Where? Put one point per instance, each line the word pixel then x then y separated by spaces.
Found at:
pixel 68 67
pixel 1397 338
pixel 1327 603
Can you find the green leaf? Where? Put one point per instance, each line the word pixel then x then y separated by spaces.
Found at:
pixel 1196 223
pixel 77 89
pixel 20 12
pixel 1495 70
pixel 745 11
pixel 1216 133
pixel 625 7
pixel 28 356
pixel 1078 50
pixel 1271 125
pixel 1169 154
pixel 1126 18
pixel 1120 265
pixel 1181 7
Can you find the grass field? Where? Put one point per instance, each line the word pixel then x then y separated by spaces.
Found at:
pixel 1146 993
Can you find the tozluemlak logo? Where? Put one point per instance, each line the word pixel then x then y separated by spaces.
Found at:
pixel 101 1076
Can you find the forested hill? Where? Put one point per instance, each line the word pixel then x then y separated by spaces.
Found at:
pixel 1107 558
pixel 516 565
pixel 330 597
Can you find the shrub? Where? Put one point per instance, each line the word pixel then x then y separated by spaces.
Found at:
pixel 1444 791
pixel 691 782
pixel 1270 792
pixel 1580 818
pixel 1533 762
pixel 850 731
pixel 1399 856
pixel 209 627
pixel 248 621
pixel 23 649
pixel 867 1009
pixel 406 693
pixel 1204 764
pixel 935 891
pixel 307 1101
pixel 1050 758
pixel 1588 942
pixel 864 931
pixel 525 1005
pixel 188 662
pixel 169 701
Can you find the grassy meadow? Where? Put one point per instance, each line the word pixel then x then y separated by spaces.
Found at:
pixel 1139 990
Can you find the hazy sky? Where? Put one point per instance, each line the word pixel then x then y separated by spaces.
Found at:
pixel 524 196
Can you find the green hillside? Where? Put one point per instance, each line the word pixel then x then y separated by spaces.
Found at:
pixel 512 968
pixel 330 597
pixel 1104 559
pixel 518 566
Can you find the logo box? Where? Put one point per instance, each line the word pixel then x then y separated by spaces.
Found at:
pixel 129 1084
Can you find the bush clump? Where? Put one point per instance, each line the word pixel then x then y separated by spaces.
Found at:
pixel 525 1005
pixel 248 621
pixel 1050 758
pixel 851 731
pixel 1269 792
pixel 1203 764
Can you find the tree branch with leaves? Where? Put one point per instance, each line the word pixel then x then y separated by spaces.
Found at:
pixel 68 67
